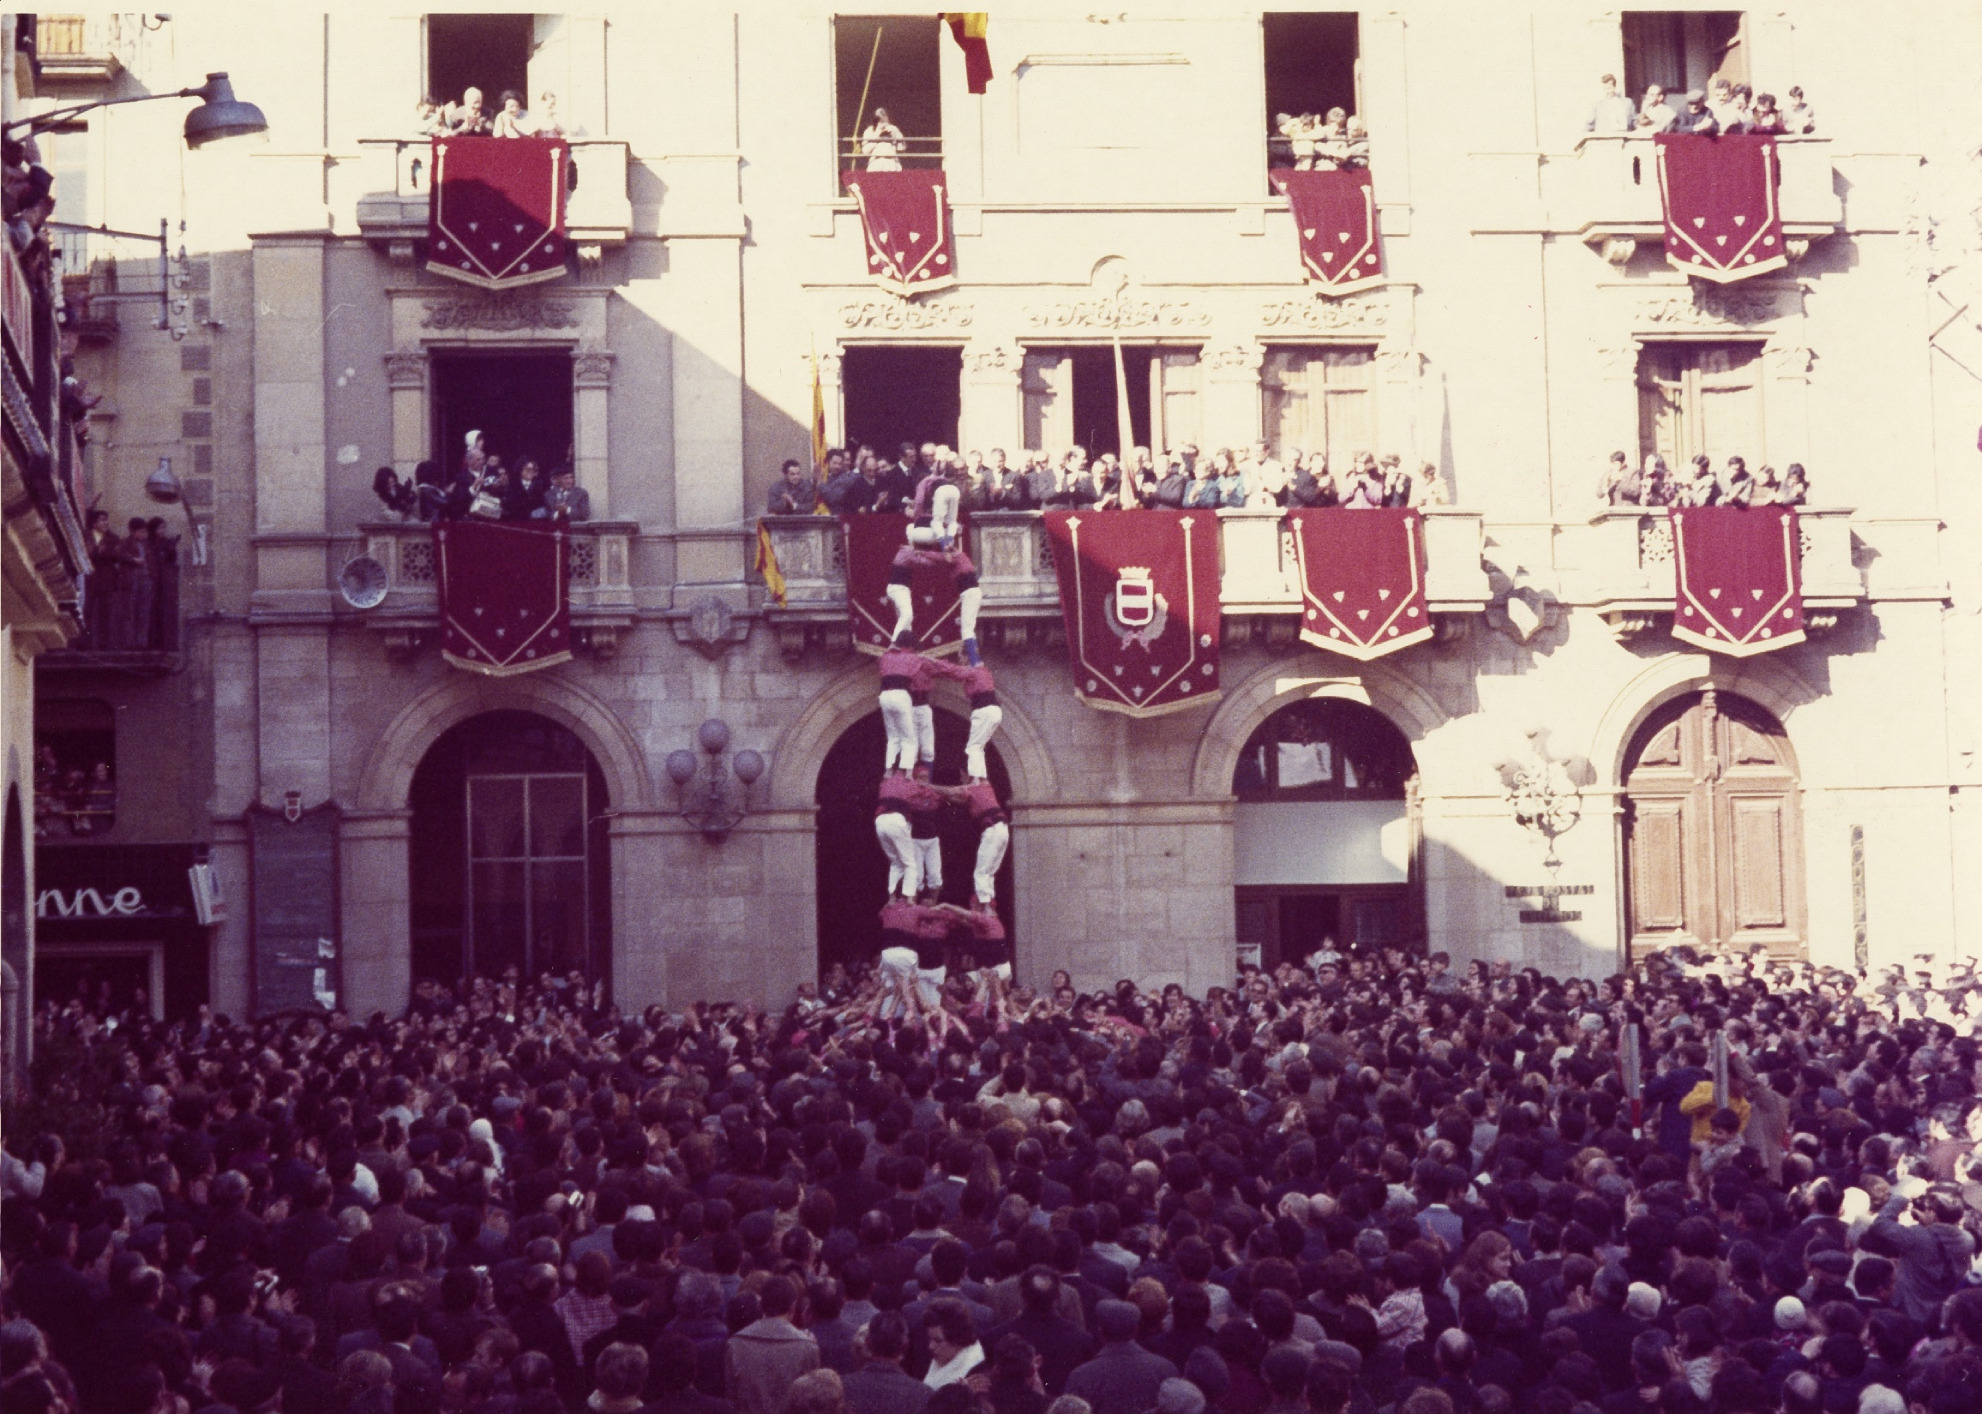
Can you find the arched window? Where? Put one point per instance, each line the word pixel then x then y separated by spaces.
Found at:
pixel 1324 749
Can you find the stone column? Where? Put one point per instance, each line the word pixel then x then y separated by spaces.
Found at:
pixel 641 903
pixel 406 378
pixel 375 969
pixel 591 374
pixel 1231 396
pixel 832 392
pixel 991 399
pixel 707 366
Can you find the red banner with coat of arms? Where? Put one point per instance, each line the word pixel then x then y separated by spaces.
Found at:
pixel 1139 594
pixel 1362 579
pixel 1335 219
pixel 905 218
pixel 1738 578
pixel 872 544
pixel 505 598
pixel 1722 221
pixel 495 216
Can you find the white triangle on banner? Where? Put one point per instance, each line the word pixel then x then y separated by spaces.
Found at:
pixel 1338 596
pixel 1740 220
pixel 1699 221
pixel 1755 593
pixel 1383 593
pixel 1714 592
pixel 1362 613
pixel 1307 233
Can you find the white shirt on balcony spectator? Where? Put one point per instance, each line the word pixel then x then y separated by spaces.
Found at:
pixel 1614 114
pixel 1657 115
pixel 881 143
pixel 1799 117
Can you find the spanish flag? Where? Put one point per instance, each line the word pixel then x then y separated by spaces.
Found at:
pixel 968 28
pixel 767 565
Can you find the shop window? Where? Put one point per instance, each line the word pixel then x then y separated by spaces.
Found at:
pixel 1320 399
pixel 888 62
pixel 1683 49
pixel 1070 398
pixel 489 52
pixel 75 769
pixel 521 403
pixel 897 393
pixel 1696 399
pixel 1313 64
pixel 1324 749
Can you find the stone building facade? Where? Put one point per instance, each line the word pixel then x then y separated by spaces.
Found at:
pixel 1111 184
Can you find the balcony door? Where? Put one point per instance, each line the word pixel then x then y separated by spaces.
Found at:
pixel 1700 398
pixel 1713 829
pixel 1320 399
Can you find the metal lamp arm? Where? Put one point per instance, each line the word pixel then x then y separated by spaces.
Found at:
pixel 40 122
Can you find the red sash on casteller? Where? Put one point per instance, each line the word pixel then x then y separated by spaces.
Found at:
pixel 1335 219
pixel 1739 578
pixel 871 543
pixel 496 214
pixel 905 217
pixel 1139 593
pixel 505 602
pixel 1722 220
pixel 1362 579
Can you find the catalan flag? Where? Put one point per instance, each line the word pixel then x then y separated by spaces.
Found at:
pixel 767 565
pixel 969 28
pixel 818 436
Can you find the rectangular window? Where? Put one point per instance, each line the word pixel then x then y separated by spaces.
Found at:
pixel 1696 399
pixel 1320 399
pixel 75 769
pixel 527 872
pixel 1683 49
pixel 895 393
pixel 889 96
pixel 1313 64
pixel 486 52
pixel 1070 398
pixel 519 401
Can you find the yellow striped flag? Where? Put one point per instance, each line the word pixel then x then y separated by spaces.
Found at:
pixel 767 565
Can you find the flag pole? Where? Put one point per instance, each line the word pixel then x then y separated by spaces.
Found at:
pixel 860 113
pixel 1124 420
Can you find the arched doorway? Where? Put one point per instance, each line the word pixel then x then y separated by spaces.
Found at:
pixel 852 872
pixel 1325 833
pixel 1713 833
pixel 508 861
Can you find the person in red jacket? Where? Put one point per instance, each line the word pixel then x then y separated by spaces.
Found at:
pixel 904 674
pixel 893 828
pixel 994 836
pixel 985 713
pixel 901 580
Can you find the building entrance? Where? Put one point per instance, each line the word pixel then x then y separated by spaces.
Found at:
pixel 1324 847
pixel 853 873
pixel 509 863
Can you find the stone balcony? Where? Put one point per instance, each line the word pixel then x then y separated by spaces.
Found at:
pixel 1260 585
pixel 393 177
pixel 1606 192
pixel 1620 564
pixel 602 598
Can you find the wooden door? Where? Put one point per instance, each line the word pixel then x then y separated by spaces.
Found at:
pixel 1047 384
pixel 1697 397
pixel 1713 838
pixel 1320 399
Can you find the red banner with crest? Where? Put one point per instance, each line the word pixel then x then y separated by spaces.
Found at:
pixel 1335 219
pixel 905 218
pixel 495 216
pixel 872 542
pixel 505 596
pixel 1139 593
pixel 1722 220
pixel 1362 579
pixel 1738 578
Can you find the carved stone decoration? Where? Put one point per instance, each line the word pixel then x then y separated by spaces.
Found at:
pixel 792 640
pixel 1399 363
pixel 1618 250
pixel 1352 313
pixel 710 627
pixel 1796 246
pixel 1655 542
pixel 1615 362
pixel 591 254
pixel 503 312
pixel 1232 361
pixel 828 364
pixel 399 252
pixel 601 641
pixel 1709 307
pixel 592 367
pixel 992 361
pixel 405 368
pixel 1122 310
pixel 1625 625
pixel 1821 621
pixel 906 316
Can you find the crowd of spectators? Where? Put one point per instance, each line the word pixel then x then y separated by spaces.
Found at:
pixel 470 118
pixel 75 794
pixel 483 486
pixel 860 479
pixel 1363 1183
pixel 1654 484
pixel 131 596
pixel 1313 142
pixel 1725 108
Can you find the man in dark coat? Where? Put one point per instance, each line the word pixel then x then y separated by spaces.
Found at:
pixel 1122 1378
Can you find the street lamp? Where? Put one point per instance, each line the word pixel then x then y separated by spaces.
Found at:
pixel 163 487
pixel 709 806
pixel 219 115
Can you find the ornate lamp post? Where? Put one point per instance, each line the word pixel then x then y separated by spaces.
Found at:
pixel 709 804
pixel 1547 792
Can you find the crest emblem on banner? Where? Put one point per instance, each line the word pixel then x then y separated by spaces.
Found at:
pixel 1136 612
